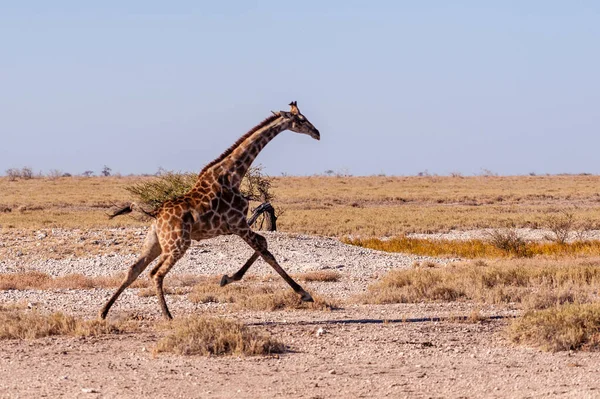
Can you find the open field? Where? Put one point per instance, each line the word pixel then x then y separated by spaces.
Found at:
pixel 424 320
pixel 332 206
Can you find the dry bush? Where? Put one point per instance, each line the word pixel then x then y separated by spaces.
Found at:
pixel 18 324
pixel 508 241
pixel 25 173
pixel 262 297
pixel 320 276
pixel 165 186
pixel 55 174
pixel 168 185
pixel 567 327
pixel 12 174
pixel 209 336
pixel 561 225
pixel 535 286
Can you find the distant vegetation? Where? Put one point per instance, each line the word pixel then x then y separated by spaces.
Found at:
pixel 356 207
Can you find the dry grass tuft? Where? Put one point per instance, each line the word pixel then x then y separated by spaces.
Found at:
pixel 13 306
pixel 567 327
pixel 327 276
pixel 151 291
pixel 19 324
pixel 210 336
pixel 257 297
pixel 535 284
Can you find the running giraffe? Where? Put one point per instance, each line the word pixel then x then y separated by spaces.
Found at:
pixel 214 206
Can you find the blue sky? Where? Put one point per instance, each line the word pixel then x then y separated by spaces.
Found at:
pixel 395 87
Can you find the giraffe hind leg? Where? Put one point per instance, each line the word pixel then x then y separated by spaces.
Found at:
pixel 259 244
pixel 172 252
pixel 240 273
pixel 150 251
pixel 160 271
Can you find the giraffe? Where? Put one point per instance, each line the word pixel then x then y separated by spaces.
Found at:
pixel 213 206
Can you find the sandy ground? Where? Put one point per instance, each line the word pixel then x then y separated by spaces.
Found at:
pixel 404 350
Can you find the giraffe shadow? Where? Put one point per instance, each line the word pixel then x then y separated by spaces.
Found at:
pixel 377 321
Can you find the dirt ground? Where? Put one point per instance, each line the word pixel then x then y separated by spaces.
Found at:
pixel 396 351
pixel 356 355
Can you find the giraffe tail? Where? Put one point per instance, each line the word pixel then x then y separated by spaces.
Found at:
pixel 129 208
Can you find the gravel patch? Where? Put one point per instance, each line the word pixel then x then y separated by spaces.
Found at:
pixel 226 254
pixel 358 267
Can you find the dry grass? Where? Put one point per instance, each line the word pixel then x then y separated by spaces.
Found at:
pixel 151 291
pixel 568 327
pixel 323 276
pixel 532 283
pixel 19 324
pixel 256 297
pixel 210 336
pixel 472 249
pixel 34 280
pixel 42 281
pixel 392 206
pixel 333 206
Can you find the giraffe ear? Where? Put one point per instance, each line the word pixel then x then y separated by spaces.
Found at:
pixel 294 108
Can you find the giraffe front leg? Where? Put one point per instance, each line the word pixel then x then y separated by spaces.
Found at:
pixel 240 273
pixel 259 244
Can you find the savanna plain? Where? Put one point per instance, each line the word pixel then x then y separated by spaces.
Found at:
pixel 424 286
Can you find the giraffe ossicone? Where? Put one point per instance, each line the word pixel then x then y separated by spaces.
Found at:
pixel 214 206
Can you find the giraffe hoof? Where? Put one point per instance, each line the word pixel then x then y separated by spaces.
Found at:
pixel 306 297
pixel 225 280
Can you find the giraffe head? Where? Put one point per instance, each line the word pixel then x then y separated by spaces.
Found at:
pixel 299 123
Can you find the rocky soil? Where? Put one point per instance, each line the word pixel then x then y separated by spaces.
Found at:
pixel 404 350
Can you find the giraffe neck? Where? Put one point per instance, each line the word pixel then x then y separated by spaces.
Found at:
pixel 237 163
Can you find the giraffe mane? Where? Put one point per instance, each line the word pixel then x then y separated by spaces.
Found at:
pixel 228 151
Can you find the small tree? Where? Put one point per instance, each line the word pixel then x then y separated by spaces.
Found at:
pixel 54 174
pixel 88 173
pixel 561 226
pixel 106 171
pixel 26 173
pixel 13 174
